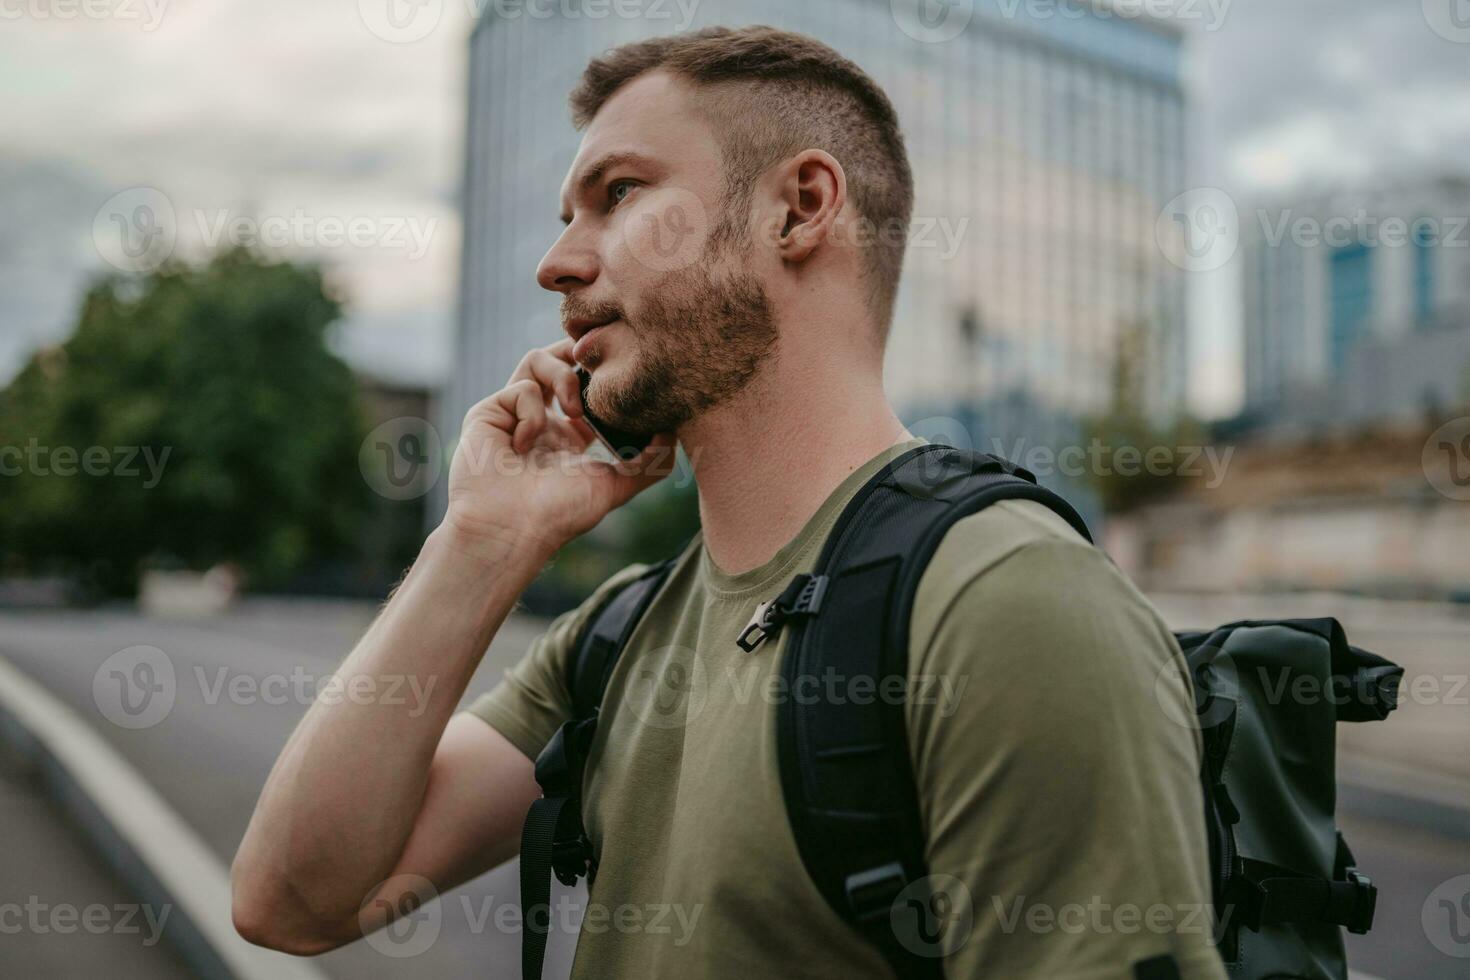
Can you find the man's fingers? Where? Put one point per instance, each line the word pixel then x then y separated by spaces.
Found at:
pixel 526 411
pixel 552 368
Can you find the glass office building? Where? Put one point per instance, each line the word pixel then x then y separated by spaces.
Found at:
pixel 1045 141
pixel 1339 286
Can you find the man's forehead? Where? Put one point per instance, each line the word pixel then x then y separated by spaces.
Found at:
pixel 650 117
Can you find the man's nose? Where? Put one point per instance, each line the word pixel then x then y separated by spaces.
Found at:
pixel 569 264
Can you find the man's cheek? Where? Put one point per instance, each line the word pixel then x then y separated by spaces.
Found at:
pixel 666 232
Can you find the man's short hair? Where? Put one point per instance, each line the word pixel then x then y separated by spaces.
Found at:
pixel 771 94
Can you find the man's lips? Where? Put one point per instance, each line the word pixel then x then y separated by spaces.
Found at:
pixel 587 339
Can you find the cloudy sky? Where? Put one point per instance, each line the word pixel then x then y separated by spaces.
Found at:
pixel 312 120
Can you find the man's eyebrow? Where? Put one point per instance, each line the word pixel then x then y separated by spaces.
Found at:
pixel 596 171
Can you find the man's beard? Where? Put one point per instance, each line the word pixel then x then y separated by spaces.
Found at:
pixel 700 338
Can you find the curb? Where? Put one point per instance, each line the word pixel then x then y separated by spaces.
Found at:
pixel 1394 793
pixel 158 857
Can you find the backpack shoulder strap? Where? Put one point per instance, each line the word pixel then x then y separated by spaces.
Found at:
pixel 553 838
pixel 845 767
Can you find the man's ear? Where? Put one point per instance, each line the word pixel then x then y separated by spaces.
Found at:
pixel 812 190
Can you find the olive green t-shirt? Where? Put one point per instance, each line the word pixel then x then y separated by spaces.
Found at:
pixel 1058 783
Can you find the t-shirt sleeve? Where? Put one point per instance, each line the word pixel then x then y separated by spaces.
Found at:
pixel 1058 772
pixel 532 700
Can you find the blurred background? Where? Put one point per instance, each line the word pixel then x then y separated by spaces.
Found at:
pixel 1202 265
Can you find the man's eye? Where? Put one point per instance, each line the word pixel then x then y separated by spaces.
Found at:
pixel 617 191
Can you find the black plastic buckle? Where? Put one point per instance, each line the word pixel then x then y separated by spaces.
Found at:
pixel 870 893
pixel 1364 902
pixel 803 596
pixel 571 859
pixel 1245 900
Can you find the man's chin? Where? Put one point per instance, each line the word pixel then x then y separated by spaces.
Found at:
pixel 607 377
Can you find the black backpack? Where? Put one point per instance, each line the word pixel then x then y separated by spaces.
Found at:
pixel 1284 881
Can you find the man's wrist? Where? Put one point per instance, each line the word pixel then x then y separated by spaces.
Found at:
pixel 494 547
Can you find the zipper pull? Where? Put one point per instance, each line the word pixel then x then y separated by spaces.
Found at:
pixel 759 627
pixel 802 597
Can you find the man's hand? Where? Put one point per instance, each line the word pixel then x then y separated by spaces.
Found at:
pixel 519 475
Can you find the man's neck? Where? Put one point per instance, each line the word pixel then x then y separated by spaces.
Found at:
pixel 766 460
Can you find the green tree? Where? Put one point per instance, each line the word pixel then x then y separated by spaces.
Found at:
pixel 1124 482
pixel 215 387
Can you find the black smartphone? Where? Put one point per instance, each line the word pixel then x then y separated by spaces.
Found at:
pixel 621 443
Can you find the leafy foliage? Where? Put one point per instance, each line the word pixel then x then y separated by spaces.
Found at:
pixel 221 376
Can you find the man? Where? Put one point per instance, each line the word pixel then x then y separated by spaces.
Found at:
pixel 728 271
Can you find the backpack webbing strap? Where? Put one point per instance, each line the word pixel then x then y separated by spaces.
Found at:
pixel 553 838
pixel 1269 893
pixel 845 767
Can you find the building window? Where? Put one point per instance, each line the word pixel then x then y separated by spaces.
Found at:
pixel 1350 300
pixel 1423 272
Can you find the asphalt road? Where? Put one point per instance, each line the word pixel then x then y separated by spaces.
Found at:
pixel 210 754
